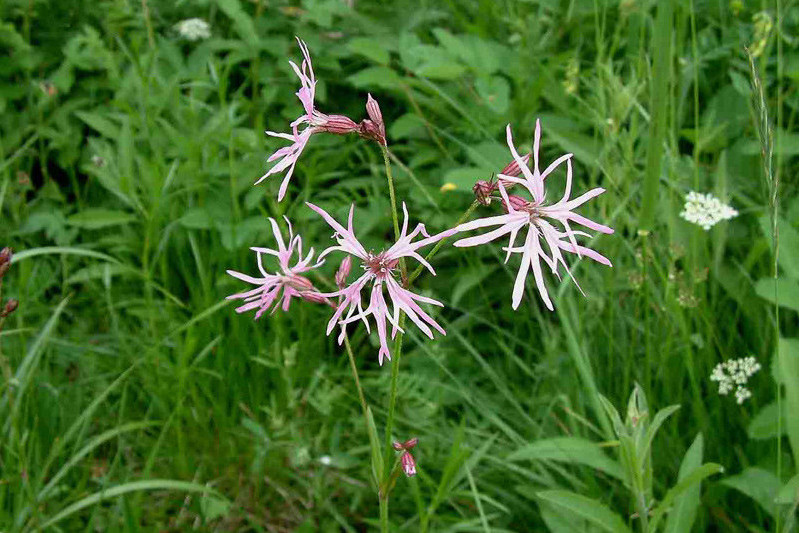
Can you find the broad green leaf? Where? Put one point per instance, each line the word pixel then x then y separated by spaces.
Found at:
pixel 375 78
pixel 759 484
pixel 370 48
pixel 569 450
pixel 557 522
pixel 692 479
pixel 567 136
pixel 787 292
pixel 242 22
pixel 197 218
pixel 98 217
pixel 463 178
pixel 787 244
pixel 441 70
pixel 682 515
pixel 581 507
pixel 765 424
pixel 788 493
pixel 495 93
pixel 406 126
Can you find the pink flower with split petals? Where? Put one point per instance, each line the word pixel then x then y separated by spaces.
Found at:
pixel 282 286
pixel 380 270
pixel 537 217
pixel 315 121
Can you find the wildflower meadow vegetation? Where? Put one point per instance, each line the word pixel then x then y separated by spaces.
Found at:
pixel 348 265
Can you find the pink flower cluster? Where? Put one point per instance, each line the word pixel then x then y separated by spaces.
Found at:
pixel 548 227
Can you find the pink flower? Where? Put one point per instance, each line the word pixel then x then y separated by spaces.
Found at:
pixel 406 459
pixel 315 121
pixel 379 271
pixel 288 280
pixel 408 464
pixel 536 216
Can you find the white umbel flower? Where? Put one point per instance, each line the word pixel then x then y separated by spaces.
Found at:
pixel 706 210
pixel 733 374
pixel 193 29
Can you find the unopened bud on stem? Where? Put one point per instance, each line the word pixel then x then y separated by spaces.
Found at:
pixel 343 272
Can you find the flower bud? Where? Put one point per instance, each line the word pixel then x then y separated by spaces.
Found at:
pixel 376 118
pixel 512 169
pixel 314 297
pixel 300 283
pixel 483 191
pixel 407 445
pixel 518 203
pixel 408 464
pixel 5 255
pixel 338 124
pixel 10 307
pixel 343 272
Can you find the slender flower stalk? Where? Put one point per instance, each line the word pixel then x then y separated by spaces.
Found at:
pixel 536 216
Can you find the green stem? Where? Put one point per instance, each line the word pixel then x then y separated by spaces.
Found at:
pixel 358 381
pixel 384 506
pixel 396 355
pixel 439 244
pixel 388 166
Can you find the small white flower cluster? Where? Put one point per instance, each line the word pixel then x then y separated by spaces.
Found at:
pixel 733 374
pixel 193 29
pixel 705 210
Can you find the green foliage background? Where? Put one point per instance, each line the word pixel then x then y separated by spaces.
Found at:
pixel 134 398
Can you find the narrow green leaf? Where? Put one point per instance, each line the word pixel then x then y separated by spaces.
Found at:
pixel 113 492
pixel 653 428
pixel 97 217
pixel 691 480
pixel 375 449
pixel 594 512
pixel 682 515
pixel 570 450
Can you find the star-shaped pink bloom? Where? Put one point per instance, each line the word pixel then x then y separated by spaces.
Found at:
pixel 288 280
pixel 537 217
pixel 379 271
pixel 314 120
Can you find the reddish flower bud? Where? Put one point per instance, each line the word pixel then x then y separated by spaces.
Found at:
pixel 518 203
pixel 5 255
pixel 10 307
pixel 376 117
pixel 483 191
pixel 407 445
pixel 338 124
pixel 408 464
pixel 343 272
pixel 512 169
pixel 314 297
pixel 300 283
